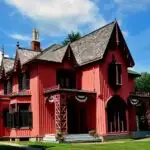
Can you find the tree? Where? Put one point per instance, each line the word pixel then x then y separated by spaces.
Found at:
pixel 143 82
pixel 71 38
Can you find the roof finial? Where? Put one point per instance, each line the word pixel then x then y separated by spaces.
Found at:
pixel 17 45
pixel 35 34
pixel 3 50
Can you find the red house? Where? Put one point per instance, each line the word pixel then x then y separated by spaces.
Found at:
pixel 70 89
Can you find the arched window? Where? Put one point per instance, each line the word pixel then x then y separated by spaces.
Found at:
pixel 116 115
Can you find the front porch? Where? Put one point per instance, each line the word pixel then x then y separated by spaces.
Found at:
pixel 140 100
pixel 74 110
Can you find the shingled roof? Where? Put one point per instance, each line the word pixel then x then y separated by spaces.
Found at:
pixel 26 55
pixel 53 53
pixel 88 48
pixel 8 63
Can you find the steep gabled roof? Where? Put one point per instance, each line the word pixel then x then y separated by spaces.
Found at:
pixel 88 48
pixel 8 63
pixel 92 46
pixel 53 53
pixel 26 55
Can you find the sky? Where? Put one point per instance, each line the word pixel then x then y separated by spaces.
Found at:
pixel 56 18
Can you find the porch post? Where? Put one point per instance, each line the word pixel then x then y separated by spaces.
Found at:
pixel 63 108
pixel 127 120
pixel 60 114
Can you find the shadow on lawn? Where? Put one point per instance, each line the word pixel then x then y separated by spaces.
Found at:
pixel 41 147
pixel 7 147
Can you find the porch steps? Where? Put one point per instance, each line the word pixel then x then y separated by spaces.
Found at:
pixel 73 138
pixel 49 138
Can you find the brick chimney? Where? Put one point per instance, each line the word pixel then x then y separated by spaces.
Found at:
pixel 36 46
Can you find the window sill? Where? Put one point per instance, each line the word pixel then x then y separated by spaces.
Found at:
pixel 19 128
pixel 21 93
pixel 23 128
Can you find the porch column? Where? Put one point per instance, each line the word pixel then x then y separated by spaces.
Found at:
pixel 127 120
pixel 61 114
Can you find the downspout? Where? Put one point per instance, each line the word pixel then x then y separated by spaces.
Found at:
pixel 38 101
pixel 94 79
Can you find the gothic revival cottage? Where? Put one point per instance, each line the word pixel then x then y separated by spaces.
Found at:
pixel 70 89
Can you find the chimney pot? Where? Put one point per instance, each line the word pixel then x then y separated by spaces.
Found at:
pixel 35 40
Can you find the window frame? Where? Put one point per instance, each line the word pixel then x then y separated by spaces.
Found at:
pixel 20 118
pixel 115 74
pixel 8 86
pixel 24 81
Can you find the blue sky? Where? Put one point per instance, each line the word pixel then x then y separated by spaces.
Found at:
pixel 55 18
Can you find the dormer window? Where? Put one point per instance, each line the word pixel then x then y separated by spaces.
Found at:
pixel 115 75
pixel 24 81
pixel 8 87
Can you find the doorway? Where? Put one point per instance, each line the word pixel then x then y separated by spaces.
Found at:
pixel 77 117
pixel 116 114
pixel 141 119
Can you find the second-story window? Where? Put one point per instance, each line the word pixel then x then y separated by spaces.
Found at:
pixel 66 78
pixel 8 86
pixel 24 81
pixel 115 74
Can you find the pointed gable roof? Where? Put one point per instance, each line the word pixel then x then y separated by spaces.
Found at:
pixel 54 53
pixel 26 55
pixel 87 49
pixel 92 46
pixel 8 64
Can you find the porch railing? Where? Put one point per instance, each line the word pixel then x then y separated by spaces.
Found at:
pixel 55 87
pixel 20 93
pixel 140 93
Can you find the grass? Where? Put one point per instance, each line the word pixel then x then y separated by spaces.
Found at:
pixel 120 145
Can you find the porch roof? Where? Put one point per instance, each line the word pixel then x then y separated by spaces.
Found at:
pixel 61 90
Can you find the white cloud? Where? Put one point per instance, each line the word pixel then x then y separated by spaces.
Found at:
pixel 60 16
pixel 6 56
pixel 20 37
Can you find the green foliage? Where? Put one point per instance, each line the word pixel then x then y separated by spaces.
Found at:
pixel 143 83
pixel 71 38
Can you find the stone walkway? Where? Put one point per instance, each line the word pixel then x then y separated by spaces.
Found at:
pixel 18 145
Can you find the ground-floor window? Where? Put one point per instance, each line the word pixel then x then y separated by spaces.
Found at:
pixel 5 117
pixel 19 118
pixel 116 115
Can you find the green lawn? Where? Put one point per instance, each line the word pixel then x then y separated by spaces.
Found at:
pixel 127 145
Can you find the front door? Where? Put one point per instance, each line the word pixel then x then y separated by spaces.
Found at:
pixel 83 120
pixel 142 123
pixel 72 117
pixel 77 117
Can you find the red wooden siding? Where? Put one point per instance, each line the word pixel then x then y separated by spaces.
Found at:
pixel 91 77
pixel 34 87
pixel 47 78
